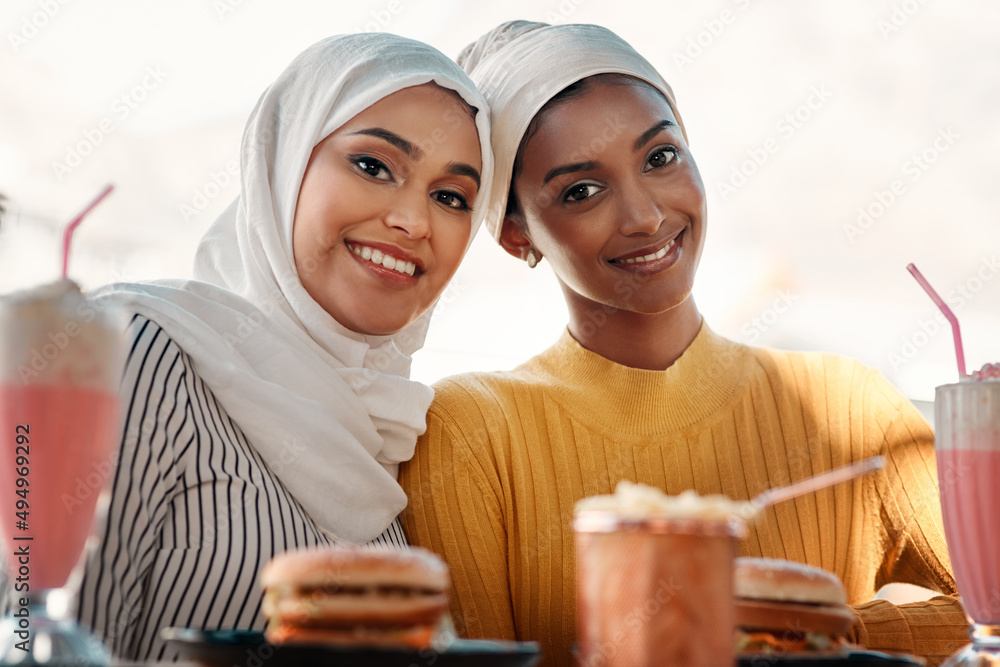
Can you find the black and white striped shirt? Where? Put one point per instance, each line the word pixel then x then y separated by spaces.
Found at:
pixel 195 512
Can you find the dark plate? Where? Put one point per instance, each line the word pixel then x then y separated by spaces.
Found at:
pixel 852 659
pixel 242 648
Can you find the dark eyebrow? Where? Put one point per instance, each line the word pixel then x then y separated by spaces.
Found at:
pixel 652 132
pixel 462 169
pixel 394 139
pixel 567 169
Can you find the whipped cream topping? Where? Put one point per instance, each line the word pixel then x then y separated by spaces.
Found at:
pixel 52 334
pixel 638 502
pixel 988 373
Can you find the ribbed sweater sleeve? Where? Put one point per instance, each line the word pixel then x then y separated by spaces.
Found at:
pixel 912 532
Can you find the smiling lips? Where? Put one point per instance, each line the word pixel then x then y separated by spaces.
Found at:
pixel 382 259
pixel 653 256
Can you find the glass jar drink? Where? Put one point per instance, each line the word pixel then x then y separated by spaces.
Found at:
pixel 967 425
pixel 60 366
pixel 656 590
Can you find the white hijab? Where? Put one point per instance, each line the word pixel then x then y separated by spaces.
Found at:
pixel 330 410
pixel 520 65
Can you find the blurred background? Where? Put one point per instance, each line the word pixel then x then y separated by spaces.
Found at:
pixel 838 141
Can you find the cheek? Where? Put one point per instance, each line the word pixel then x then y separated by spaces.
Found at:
pixel 308 213
pixel 452 240
pixel 694 189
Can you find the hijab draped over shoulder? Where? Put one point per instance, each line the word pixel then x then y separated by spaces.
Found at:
pixel 512 65
pixel 331 411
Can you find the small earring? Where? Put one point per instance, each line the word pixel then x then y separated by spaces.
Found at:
pixel 532 259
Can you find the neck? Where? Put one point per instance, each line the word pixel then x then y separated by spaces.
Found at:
pixel 649 342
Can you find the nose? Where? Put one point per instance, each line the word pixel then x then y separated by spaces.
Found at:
pixel 640 211
pixel 409 212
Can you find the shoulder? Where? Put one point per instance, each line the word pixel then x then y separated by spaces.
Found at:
pixel 474 417
pixel 466 405
pixel 478 396
pixel 158 374
pixel 834 378
pixel 480 387
pixel 146 340
pixel 813 369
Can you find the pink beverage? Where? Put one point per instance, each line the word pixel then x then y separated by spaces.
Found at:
pixel 967 425
pixel 59 424
pixel 68 435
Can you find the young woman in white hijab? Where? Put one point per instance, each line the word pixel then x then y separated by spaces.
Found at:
pixel 603 184
pixel 267 404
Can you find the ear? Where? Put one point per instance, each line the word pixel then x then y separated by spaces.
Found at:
pixel 514 237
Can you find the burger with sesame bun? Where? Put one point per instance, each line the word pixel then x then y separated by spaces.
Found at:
pixel 355 597
pixel 784 608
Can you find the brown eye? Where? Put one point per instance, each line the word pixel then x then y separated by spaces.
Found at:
pixel 581 191
pixel 451 200
pixel 371 167
pixel 662 157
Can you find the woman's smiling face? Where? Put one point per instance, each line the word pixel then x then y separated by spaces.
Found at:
pixel 384 213
pixel 610 195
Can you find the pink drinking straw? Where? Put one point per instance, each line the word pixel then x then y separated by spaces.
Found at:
pixel 75 222
pixel 955 332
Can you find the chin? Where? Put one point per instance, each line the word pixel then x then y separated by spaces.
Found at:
pixel 656 306
pixel 378 329
pixel 369 320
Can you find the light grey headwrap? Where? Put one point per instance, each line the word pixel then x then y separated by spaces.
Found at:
pixel 520 65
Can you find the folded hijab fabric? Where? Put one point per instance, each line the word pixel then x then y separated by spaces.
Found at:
pixel 512 66
pixel 332 410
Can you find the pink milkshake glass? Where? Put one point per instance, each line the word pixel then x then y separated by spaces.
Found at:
pixel 60 366
pixel 967 425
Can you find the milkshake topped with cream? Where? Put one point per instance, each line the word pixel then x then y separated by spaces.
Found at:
pixel 60 365
pixel 654 577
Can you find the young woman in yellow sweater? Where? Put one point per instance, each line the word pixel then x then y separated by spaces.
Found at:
pixel 601 183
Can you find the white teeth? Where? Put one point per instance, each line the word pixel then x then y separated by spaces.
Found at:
pixel 388 261
pixel 662 252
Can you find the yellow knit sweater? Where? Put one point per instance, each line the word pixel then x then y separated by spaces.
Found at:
pixel 506 455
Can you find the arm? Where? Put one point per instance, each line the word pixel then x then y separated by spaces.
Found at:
pixel 912 529
pixel 142 475
pixel 456 510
